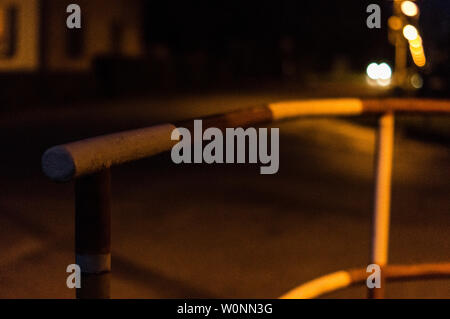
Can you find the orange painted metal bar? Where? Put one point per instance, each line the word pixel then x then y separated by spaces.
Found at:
pixel 72 160
pixel 346 278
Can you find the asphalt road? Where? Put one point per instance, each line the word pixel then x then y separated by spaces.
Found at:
pixel 219 230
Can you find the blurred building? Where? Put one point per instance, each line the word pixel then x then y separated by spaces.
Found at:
pixel 34 35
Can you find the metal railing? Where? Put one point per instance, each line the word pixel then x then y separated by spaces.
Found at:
pixel 88 162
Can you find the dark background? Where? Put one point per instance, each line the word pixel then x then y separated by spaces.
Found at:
pixel 215 45
pixel 250 34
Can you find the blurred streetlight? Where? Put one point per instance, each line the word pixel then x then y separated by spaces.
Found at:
pixel 417 42
pixel 395 23
pixel 415 45
pixel 416 81
pixel 410 32
pixel 404 33
pixel 384 71
pixel 379 74
pixel 409 8
pixel 372 71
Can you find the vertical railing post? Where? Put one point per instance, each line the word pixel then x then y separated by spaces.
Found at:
pixel 382 197
pixel 93 234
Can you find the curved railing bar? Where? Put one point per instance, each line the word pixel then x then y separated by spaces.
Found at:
pixel 88 162
pixel 69 161
pixel 346 278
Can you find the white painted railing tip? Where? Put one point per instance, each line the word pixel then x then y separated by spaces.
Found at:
pixel 58 164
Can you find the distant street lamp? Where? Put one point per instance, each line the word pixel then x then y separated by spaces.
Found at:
pixel 415 45
pixel 372 71
pixel 379 74
pixel 404 33
pixel 384 71
pixel 409 8
pixel 410 32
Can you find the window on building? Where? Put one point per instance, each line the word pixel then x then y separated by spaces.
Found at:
pixel 8 31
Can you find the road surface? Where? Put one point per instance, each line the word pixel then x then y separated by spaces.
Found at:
pixel 219 230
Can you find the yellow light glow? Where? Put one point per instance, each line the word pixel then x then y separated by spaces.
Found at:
pixel 383 82
pixel 410 32
pixel 395 23
pixel 418 56
pixel 421 64
pixel 416 43
pixel 409 8
pixel 416 81
pixel 416 51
